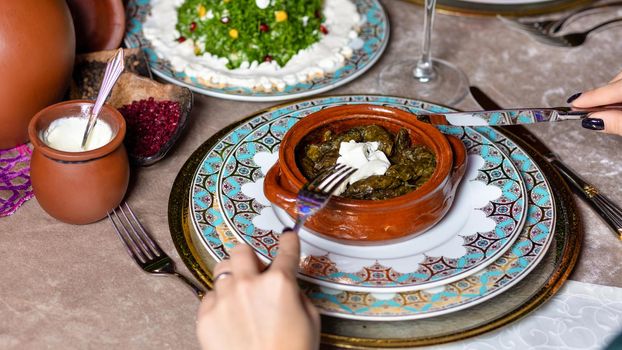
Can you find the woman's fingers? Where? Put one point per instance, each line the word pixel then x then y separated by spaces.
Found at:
pixel 221 267
pixel 289 254
pixel 609 122
pixel 312 311
pixel 244 262
pixel 222 273
pixel 314 315
pixel 207 303
pixel 604 95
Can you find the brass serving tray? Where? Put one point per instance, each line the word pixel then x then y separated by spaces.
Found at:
pixel 541 284
pixel 468 8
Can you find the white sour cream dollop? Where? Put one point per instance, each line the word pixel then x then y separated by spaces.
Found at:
pixel 363 156
pixel 65 134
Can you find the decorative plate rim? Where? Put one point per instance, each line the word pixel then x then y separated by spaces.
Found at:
pixel 430 283
pixel 482 299
pixel 568 234
pixel 364 99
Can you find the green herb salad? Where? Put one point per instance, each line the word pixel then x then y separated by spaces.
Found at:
pixel 251 30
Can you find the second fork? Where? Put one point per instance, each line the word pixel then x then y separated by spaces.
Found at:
pixel 144 249
pixel 573 39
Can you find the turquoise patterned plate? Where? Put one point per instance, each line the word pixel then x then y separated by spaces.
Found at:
pixel 373 35
pixel 484 221
pixel 494 279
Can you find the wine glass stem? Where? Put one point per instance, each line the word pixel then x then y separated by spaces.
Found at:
pixel 424 70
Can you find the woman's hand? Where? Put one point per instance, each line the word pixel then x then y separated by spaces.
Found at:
pixel 609 121
pixel 249 309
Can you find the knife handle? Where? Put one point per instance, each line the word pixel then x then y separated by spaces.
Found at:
pixel 607 209
pixel 565 113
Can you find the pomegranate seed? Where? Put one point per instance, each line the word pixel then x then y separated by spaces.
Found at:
pixel 150 124
pixel 264 28
pixel 193 26
pixel 181 39
pixel 267 58
pixel 323 29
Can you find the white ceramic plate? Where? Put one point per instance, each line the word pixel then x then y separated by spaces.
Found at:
pixel 485 219
pixel 498 277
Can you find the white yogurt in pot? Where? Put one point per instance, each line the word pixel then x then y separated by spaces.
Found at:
pixel 65 134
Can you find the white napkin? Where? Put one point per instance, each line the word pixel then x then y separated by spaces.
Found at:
pixel 581 316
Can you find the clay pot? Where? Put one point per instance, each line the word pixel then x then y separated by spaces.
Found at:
pixel 78 187
pixel 36 60
pixel 365 221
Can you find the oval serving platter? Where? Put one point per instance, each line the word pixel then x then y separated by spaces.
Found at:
pixel 373 35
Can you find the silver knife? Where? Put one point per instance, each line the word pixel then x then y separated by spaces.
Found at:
pixel 603 206
pixel 502 117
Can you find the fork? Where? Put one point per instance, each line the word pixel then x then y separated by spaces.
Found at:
pixel 315 194
pixel 553 26
pixel 143 248
pixel 571 39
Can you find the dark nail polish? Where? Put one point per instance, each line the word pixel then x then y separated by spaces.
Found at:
pixel 286 228
pixel 593 123
pixel 573 97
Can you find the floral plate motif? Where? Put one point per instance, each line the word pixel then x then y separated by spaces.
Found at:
pixel 484 220
pixel 374 34
pixel 515 264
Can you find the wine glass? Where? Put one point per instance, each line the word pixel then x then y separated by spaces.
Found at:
pixel 431 79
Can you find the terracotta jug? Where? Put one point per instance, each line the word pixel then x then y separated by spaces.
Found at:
pixel 37 49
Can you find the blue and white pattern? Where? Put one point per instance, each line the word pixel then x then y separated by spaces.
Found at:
pixel 515 264
pixel 482 224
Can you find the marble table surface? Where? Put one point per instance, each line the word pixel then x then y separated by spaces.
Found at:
pixel 74 287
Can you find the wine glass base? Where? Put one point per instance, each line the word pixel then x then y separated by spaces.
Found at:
pixel 448 87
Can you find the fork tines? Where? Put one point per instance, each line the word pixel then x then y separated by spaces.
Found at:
pixel 331 179
pixel 138 242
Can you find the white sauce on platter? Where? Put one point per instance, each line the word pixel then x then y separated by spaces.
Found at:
pixel 363 156
pixel 325 56
pixel 65 134
pixel 262 4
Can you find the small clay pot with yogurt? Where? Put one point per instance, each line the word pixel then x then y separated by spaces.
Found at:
pixel 78 187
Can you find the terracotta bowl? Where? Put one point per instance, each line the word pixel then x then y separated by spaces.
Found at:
pixel 366 221
pixel 78 187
